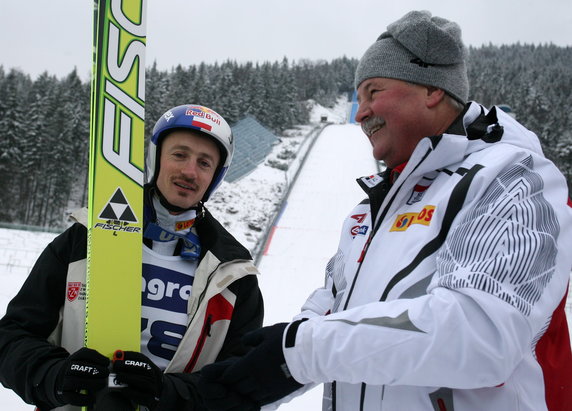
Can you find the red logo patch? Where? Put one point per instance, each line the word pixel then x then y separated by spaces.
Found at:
pixel 360 218
pixel 73 290
pixel 182 225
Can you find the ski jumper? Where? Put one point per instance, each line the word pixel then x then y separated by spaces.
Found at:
pixel 45 320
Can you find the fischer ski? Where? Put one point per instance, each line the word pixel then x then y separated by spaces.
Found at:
pixel 116 167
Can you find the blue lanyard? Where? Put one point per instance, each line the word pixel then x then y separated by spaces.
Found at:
pixel 191 249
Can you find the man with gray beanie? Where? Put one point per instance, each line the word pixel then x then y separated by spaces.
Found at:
pixel 450 294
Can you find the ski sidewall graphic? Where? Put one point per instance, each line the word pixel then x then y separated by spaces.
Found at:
pixel 116 168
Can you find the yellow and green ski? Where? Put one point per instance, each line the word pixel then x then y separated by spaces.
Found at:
pixel 116 168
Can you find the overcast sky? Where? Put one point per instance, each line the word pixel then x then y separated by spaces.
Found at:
pixel 55 35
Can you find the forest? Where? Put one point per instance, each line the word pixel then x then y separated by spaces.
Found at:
pixel 45 121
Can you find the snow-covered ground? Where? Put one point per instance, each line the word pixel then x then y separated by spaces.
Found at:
pixel 301 241
pixel 307 232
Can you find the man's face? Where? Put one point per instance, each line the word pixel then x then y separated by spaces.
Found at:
pixel 187 165
pixel 392 114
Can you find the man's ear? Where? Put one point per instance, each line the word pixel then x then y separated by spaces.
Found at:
pixel 434 96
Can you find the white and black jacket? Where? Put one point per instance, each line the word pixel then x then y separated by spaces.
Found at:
pixel 41 325
pixel 448 288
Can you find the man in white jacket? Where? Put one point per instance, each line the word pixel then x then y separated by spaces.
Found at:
pixel 450 294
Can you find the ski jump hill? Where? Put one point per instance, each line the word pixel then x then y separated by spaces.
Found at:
pixel 306 231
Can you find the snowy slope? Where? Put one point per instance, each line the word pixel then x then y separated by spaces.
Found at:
pixel 307 232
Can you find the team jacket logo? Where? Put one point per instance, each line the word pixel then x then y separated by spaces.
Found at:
pixel 421 187
pixel 404 221
pixel 359 230
pixel 360 218
pixel 372 181
pixel 73 290
pixel 417 194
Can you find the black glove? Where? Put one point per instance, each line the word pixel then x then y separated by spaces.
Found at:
pixel 261 375
pixel 143 379
pixel 86 369
pixel 217 396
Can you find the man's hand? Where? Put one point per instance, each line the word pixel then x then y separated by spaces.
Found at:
pixel 143 379
pixel 80 376
pixel 217 396
pixel 260 377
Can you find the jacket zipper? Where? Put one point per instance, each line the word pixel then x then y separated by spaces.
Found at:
pixel 380 217
pixel 200 343
pixel 376 227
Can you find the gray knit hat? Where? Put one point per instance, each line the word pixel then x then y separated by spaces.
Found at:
pixel 419 49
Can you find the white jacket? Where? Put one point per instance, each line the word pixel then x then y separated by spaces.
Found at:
pixel 453 304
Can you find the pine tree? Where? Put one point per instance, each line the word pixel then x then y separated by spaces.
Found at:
pixel 45 123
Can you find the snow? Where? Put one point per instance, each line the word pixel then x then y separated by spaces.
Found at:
pixel 301 239
pixel 307 231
